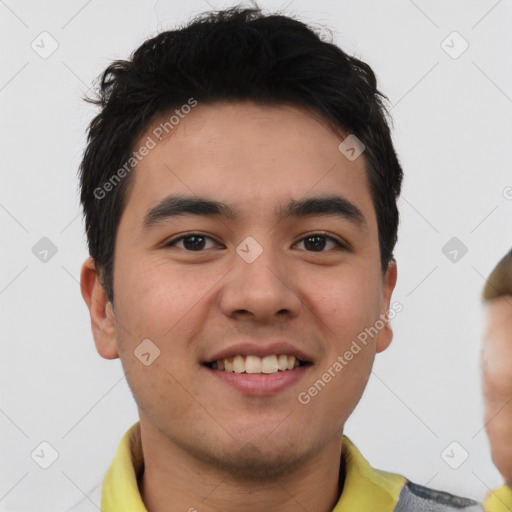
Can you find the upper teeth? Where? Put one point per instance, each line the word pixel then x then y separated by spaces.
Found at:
pixel 255 364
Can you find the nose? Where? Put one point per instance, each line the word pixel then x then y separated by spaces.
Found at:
pixel 262 290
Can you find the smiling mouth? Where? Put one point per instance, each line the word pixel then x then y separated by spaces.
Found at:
pixel 257 365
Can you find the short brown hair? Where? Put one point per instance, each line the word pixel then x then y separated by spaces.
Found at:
pixel 499 282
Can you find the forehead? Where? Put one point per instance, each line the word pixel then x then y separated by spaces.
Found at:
pixel 499 313
pixel 255 158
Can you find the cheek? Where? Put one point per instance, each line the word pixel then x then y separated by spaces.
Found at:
pixel 496 357
pixel 499 421
pixel 169 306
pixel 345 305
pixel 153 298
pixel 347 300
pixel 155 303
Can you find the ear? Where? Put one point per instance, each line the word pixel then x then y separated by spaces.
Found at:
pixel 386 333
pixel 100 310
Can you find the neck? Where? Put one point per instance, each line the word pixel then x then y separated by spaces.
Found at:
pixel 175 480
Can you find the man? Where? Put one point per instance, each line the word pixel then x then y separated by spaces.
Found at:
pixel 239 188
pixel 497 373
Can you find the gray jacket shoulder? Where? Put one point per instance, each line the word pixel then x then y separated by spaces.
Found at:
pixel 415 498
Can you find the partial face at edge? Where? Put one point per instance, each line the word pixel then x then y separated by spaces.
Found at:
pixel 312 293
pixel 497 373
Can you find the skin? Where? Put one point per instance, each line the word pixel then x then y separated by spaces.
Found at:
pixel 497 373
pixel 206 445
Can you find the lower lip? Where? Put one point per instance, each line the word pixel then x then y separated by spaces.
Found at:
pixel 260 384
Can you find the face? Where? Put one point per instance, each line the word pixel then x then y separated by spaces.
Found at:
pixel 497 372
pixel 254 283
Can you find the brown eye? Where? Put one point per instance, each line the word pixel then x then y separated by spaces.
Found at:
pixel 316 242
pixel 194 242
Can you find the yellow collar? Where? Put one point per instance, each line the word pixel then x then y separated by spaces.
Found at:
pixel 365 488
pixel 120 487
pixel 499 500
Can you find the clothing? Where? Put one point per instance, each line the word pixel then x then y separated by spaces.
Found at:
pixel 500 500
pixel 365 489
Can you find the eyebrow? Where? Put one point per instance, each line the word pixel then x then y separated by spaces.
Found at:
pixel 178 205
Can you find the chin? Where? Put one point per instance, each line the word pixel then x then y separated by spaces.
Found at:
pixel 252 462
pixel 252 457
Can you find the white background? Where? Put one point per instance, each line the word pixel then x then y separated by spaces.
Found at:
pixel 452 130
